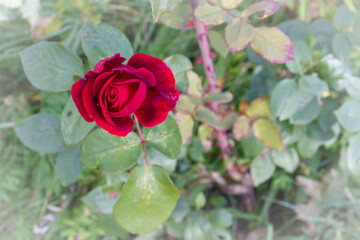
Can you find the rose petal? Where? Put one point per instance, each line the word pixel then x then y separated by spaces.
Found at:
pixel 123 126
pixel 141 73
pixel 76 93
pixel 109 64
pixel 135 102
pixel 155 108
pixel 100 80
pixel 164 77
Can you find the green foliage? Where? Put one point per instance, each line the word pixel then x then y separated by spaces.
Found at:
pixel 51 66
pixel 68 166
pixel 146 200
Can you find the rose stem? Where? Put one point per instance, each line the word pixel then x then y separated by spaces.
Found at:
pixel 142 141
pixel 209 70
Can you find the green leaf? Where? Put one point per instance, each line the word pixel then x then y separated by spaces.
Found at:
pixel 285 99
pixel 166 138
pixel 315 132
pixel 307 147
pixel 41 133
pixel 205 134
pixel 160 7
pixel 230 4
pixel 353 155
pixel 209 14
pixel 341 47
pixel 252 147
pixel 146 201
pixel 323 31
pixel 268 134
pixel 313 84
pixel 68 166
pixel 342 17
pixel 179 64
pixel 221 97
pixel 288 160
pixel 349 115
pixel 261 170
pixel 229 120
pixel 51 66
pixel 259 107
pixel 242 127
pixel 352 86
pixel 205 115
pixel 265 9
pixel 110 152
pixel 327 117
pixel 295 29
pixel 157 158
pixel 103 41
pixel 272 44
pixel 200 201
pixel 238 35
pixel 309 109
pixel 99 201
pixel 175 19
pixel 73 126
pixel 186 104
pixel 195 88
pixel 303 56
pixel 217 42
pixel 220 218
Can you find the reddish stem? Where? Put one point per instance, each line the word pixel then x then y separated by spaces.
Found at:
pixel 209 70
pixel 142 141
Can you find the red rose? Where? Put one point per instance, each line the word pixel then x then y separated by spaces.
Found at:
pixel 112 91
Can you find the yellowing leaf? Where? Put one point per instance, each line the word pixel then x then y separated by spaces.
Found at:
pixel 272 44
pixel 267 7
pixel 230 4
pixel 268 134
pixel 259 107
pixel 238 34
pixel 160 7
pixel 241 127
pixel 195 89
pixel 186 124
pixel 211 15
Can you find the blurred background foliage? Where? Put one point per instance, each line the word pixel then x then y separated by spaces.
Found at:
pixel 315 197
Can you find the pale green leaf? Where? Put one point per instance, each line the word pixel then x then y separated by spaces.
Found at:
pixel 146 201
pixel 230 4
pixel 353 155
pixel 186 125
pixel 50 66
pixel 221 97
pixel 217 42
pixel 309 109
pixel 206 115
pixel 343 17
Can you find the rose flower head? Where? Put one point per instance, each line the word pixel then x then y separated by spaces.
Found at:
pixel 113 91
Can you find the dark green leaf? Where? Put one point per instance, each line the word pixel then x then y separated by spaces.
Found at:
pixel 315 132
pixel 146 201
pixel 73 126
pixel 51 66
pixel 165 138
pixel 68 166
pixel 295 29
pixel 103 41
pixel 327 117
pixel 110 152
pixel 41 133
pixel 220 218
